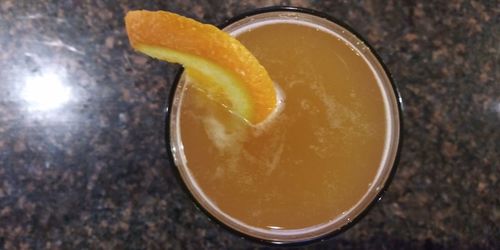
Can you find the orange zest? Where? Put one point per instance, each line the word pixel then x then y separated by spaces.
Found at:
pixel 218 63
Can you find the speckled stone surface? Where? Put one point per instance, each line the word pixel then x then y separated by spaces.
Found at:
pixel 83 166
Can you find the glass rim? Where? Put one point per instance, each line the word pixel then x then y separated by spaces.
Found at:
pixel 370 202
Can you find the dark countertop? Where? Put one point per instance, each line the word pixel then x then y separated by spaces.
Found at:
pixel 83 165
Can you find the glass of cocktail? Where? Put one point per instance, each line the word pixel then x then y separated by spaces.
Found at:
pixel 324 158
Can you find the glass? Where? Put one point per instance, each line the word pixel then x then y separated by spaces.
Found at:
pixel 385 170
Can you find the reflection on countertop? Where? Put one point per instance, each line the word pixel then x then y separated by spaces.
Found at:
pixel 83 162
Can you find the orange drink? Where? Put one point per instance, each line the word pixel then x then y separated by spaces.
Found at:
pixel 317 162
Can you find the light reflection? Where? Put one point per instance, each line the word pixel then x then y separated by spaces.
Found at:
pixel 497 107
pixel 45 91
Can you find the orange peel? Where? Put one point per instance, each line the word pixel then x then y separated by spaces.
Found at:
pixel 217 62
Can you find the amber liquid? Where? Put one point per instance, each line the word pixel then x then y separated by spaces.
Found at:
pixel 316 159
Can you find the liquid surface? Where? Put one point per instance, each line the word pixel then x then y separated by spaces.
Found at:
pixel 316 159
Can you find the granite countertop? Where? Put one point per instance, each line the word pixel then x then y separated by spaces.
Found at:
pixel 83 165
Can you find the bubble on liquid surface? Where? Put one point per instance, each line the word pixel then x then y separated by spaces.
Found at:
pixel 218 133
